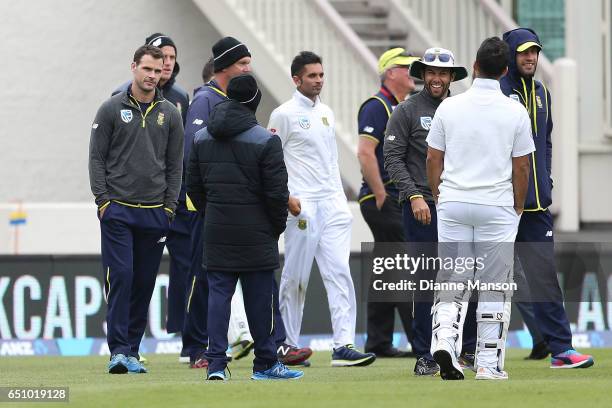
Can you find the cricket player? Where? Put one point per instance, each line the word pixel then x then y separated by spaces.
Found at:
pixel 178 241
pixel 478 170
pixel 319 223
pixel 378 197
pixel 135 167
pixel 535 232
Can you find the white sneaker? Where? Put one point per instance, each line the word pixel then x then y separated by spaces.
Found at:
pixel 450 369
pixel 489 373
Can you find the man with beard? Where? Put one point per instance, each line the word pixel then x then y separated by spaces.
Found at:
pixel 535 231
pixel 405 153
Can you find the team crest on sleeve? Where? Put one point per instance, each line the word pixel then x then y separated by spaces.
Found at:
pixel 515 97
pixel 325 121
pixel 126 115
pixel 160 119
pixel 304 123
pixel 426 122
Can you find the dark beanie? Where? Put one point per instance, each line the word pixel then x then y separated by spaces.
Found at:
pixel 243 89
pixel 227 51
pixel 160 40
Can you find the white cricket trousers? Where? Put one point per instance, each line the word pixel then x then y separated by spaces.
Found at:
pixel 322 231
pixel 476 231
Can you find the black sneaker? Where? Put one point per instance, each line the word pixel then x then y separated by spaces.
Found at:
pixel 466 360
pixel 241 349
pixel 539 351
pixel 426 367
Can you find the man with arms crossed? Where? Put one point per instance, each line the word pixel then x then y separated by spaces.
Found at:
pixel 478 170
pixel 319 224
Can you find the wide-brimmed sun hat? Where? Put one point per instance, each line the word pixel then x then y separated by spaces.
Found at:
pixel 438 57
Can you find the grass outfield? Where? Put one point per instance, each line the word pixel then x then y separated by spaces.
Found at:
pixel 387 383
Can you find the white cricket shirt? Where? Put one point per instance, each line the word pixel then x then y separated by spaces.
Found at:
pixel 480 131
pixel 306 130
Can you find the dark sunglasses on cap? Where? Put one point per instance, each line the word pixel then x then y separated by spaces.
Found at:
pixel 442 57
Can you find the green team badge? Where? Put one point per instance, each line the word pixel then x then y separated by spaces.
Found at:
pixel 325 122
pixel 302 224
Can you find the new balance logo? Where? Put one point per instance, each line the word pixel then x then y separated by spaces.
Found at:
pixel 284 350
pixel 549 233
pixel 161 240
pixel 198 122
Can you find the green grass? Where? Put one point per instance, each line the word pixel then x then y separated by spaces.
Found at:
pixel 387 383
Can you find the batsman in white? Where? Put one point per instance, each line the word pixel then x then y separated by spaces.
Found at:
pixel 478 170
pixel 319 223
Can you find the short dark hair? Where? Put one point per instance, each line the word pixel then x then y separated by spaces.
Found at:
pixel 302 59
pixel 151 50
pixel 492 57
pixel 209 70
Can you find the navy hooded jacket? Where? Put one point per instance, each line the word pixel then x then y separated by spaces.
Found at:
pixel 536 99
pixel 237 178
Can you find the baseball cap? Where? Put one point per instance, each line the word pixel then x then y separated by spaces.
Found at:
pixel 394 57
pixel 524 46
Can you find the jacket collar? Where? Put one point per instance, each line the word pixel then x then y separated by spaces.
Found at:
pixel 483 84
pixel 387 94
pixel 434 101
pixel 305 101
pixel 128 99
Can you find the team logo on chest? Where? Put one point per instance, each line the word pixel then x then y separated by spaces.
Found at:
pixel 539 101
pixel 302 224
pixel 160 119
pixel 126 115
pixel 325 122
pixel 426 122
pixel 304 122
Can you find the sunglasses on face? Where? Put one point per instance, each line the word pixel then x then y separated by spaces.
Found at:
pixel 442 57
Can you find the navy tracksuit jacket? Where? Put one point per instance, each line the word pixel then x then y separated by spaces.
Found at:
pixel 535 234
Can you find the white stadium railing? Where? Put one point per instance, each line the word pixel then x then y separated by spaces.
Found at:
pixel 276 30
pixel 459 26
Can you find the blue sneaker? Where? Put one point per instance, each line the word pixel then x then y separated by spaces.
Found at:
pixel 277 372
pixel 347 356
pixel 134 366
pixel 217 376
pixel 118 364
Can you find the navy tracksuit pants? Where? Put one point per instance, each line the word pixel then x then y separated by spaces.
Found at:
pixel 179 247
pixel 414 231
pixel 132 246
pixel 194 333
pixel 258 289
pixel 538 261
pixel 386 226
